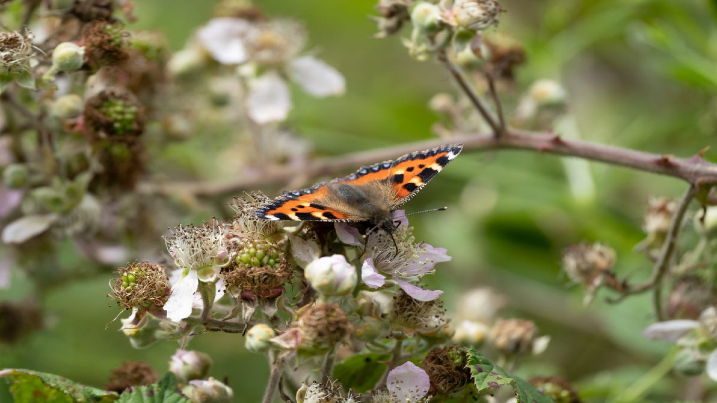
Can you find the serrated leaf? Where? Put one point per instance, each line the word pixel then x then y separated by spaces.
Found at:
pixel 488 376
pixel 164 391
pixel 361 372
pixel 32 386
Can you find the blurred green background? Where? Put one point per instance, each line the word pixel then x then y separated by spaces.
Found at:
pixel 640 74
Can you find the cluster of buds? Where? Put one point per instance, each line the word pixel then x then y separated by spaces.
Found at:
pixel 141 285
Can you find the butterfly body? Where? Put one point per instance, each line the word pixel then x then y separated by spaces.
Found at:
pixel 369 195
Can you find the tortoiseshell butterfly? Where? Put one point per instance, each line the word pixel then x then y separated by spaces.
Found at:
pixel 369 195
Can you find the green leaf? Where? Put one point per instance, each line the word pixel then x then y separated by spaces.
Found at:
pixel 488 376
pixel 361 372
pixel 31 386
pixel 164 391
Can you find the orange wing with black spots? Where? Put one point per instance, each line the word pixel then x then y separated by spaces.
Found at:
pixel 406 176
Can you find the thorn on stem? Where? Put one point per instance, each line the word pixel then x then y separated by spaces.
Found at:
pixel 666 160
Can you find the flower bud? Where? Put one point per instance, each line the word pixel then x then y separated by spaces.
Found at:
pixel 15 176
pixel 66 107
pixel 547 92
pixel 331 275
pixel 189 365
pixel 68 57
pixel 688 362
pixel 476 15
pixel 426 17
pixel 208 391
pixel 258 338
pixel 368 329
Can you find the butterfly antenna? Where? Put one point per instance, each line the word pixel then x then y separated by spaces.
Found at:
pixel 428 211
pixel 367 234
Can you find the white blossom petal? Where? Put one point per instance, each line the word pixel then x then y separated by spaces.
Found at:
pixel 304 251
pixel 370 276
pixel 670 330
pixel 711 367
pixel 27 227
pixel 348 234
pixel 269 99
pixel 408 382
pixel 179 304
pixel 418 293
pixel 316 77
pixel 223 38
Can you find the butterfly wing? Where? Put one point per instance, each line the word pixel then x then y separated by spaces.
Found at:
pixel 303 205
pixel 410 173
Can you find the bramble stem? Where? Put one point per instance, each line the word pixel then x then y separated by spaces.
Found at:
pixel 395 357
pixel 277 368
pixel 693 170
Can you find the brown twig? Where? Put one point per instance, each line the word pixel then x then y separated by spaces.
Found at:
pixel 470 92
pixel 496 100
pixel 277 368
pixel 694 170
pixel 395 357
pixel 663 262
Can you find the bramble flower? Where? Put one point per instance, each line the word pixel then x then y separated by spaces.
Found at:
pixel 473 15
pixel 405 383
pixel 425 317
pixel 697 340
pixel 328 392
pixel 199 252
pixel 16 51
pixel 246 223
pixel 273 46
pixel 188 365
pixel 331 275
pixel 208 391
pixel 406 266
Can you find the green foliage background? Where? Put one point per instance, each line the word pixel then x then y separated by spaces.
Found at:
pixel 640 74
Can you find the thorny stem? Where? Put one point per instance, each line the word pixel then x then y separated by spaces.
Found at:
pixel 216 324
pixel 693 170
pixel 470 92
pixel 277 368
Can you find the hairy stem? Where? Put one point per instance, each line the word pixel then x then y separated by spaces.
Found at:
pixel 277 368
pixel 395 357
pixel 470 92
pixel 328 366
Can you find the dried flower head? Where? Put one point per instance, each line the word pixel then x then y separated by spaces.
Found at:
pixel 16 50
pixel 689 296
pixel 447 369
pixel 323 326
pixel 246 223
pixel 327 392
pixel 199 248
pixel 89 10
pixel 141 285
pixel 105 44
pixel 474 15
pixel 583 262
pixel 514 336
pixel 425 317
pixel 114 114
pixel 257 266
pixel 558 389
pixel 505 55
pixel 393 15
pixel 131 373
pixel 657 222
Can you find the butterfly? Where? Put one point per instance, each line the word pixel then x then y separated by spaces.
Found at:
pixel 369 195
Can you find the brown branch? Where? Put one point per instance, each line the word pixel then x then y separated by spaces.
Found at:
pixel 663 262
pixel 693 170
pixel 496 101
pixel 470 92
